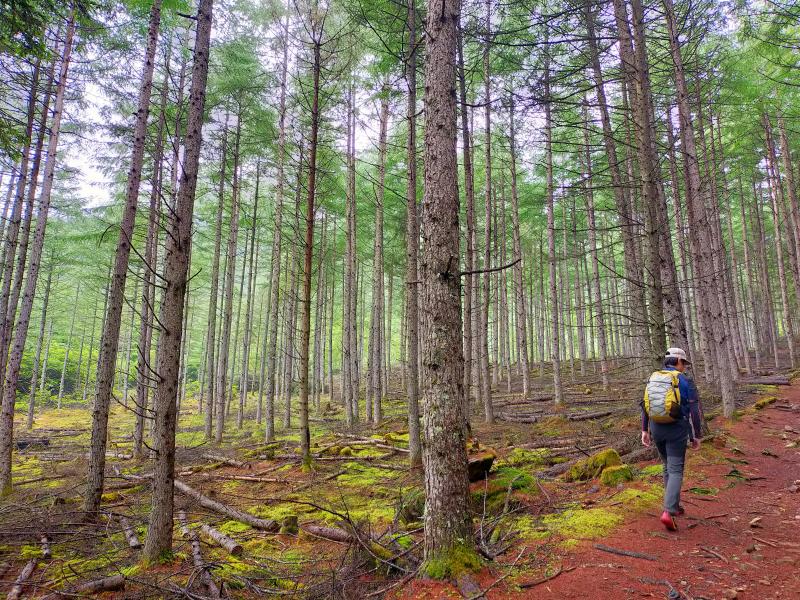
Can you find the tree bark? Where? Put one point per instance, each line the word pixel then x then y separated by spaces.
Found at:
pixel 447 520
pixel 178 250
pixel 412 244
pixel 21 330
pixel 109 341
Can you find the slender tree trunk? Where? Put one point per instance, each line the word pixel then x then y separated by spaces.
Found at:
pixel 21 330
pixel 349 341
pixel 705 276
pixel 69 345
pixel 244 380
pixel 221 379
pixel 176 263
pixel 590 215
pixel 376 360
pixel 519 286
pixel 109 341
pixel 211 331
pixel 555 327
pixel 308 247
pixel 412 243
pixel 38 353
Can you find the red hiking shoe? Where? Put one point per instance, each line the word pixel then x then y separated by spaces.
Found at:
pixel 680 511
pixel 668 521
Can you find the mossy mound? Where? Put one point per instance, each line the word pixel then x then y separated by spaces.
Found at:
pixel 582 524
pixel 593 466
pixel 452 563
pixel 641 498
pixel 765 402
pixel 616 474
pixel 521 456
pixel 652 471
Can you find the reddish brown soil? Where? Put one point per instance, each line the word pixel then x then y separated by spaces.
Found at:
pixel 718 552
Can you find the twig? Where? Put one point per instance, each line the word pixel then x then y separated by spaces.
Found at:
pixel 713 553
pixel 530 584
pixel 630 553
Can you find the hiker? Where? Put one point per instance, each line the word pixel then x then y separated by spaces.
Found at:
pixel 671 417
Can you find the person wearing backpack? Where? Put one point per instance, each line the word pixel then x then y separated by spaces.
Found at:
pixel 671 419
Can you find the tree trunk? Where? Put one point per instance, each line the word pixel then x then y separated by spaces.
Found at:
pixel 21 330
pixel 176 263
pixel 221 379
pixel 248 319
pixel 69 344
pixel 109 341
pixel 38 354
pixel 271 338
pixel 412 243
pixel 376 354
pixel 447 521
pixel 555 327
pixel 308 247
pixel 519 286
pixel 705 276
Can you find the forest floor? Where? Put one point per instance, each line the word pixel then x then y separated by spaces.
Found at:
pixel 350 525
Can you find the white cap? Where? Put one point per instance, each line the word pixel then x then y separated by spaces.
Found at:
pixel 677 353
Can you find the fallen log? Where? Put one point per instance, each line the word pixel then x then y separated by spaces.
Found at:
pixel 246 478
pixel 114 583
pixel 226 460
pixel 356 441
pixel 766 380
pixel 590 415
pixel 197 557
pixel 228 511
pixel 19 582
pixel 130 533
pixel 231 545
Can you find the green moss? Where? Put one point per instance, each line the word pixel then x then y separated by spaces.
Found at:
pixel 521 456
pixel 518 479
pixel 232 527
pixel 764 402
pixel 652 471
pixel 451 563
pixel 640 498
pixel 616 475
pixel 359 475
pixel 704 491
pixel 593 466
pixel 530 528
pixel 580 523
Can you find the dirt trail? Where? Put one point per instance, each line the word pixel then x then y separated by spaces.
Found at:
pixel 740 537
pixel 742 543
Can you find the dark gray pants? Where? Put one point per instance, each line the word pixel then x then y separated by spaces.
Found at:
pixel 671 440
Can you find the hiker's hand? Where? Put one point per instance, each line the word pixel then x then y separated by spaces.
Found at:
pixel 646 439
pixel 695 444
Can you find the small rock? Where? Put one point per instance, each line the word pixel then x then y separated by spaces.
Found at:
pixel 730 594
pixel 764 582
pixel 757 556
pixel 755 522
pixel 593 490
pixel 750 549
pixel 793 488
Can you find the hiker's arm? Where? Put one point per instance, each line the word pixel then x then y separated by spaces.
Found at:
pixel 695 414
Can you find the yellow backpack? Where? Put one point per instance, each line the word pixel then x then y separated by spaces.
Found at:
pixel 662 397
